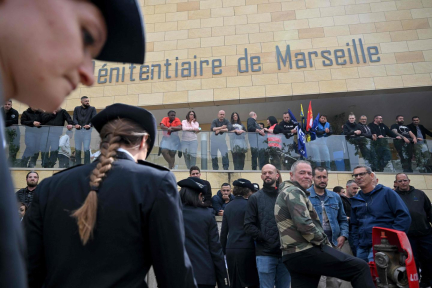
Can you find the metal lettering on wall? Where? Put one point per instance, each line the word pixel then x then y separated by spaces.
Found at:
pixel 354 53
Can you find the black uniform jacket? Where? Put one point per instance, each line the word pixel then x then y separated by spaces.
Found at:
pixel 232 233
pixel 29 116
pixel 139 224
pixel 11 117
pixel 203 246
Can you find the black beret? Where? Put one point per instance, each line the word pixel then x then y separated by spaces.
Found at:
pixel 194 183
pixel 243 183
pixel 125 31
pixel 256 186
pixel 141 116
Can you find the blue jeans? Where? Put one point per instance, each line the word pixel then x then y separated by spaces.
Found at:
pixel 365 253
pixel 272 272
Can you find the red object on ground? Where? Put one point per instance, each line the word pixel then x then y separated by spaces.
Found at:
pixel 399 239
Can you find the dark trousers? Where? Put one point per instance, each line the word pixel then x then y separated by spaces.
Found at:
pixel 382 151
pixel 405 152
pixel 63 161
pixel 31 152
pixel 221 146
pixel 422 250
pixel 258 158
pixel 239 160
pixel 273 156
pixel 49 147
pixel 306 268
pixel 82 143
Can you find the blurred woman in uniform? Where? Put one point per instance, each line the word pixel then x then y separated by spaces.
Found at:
pixel 104 224
pixel 239 247
pixel 202 237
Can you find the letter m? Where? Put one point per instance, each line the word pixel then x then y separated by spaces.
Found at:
pixel 284 60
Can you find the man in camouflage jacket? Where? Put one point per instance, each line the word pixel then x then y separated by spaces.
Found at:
pixel 307 253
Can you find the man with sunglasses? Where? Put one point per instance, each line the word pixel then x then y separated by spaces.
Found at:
pixel 374 206
pixel 420 231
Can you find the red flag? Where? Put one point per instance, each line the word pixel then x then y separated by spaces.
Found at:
pixel 309 121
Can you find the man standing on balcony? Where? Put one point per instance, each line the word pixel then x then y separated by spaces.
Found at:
pixel 380 145
pixel 13 133
pixel 31 118
pixel 421 150
pixel 51 136
pixel 81 118
pixel 218 140
pixel 256 137
pixel 404 146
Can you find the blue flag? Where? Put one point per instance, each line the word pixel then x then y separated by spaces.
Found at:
pixel 314 126
pixel 292 116
pixel 302 143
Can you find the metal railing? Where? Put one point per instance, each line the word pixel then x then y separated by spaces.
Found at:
pixel 54 147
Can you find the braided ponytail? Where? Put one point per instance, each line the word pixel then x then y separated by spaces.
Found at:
pixel 112 134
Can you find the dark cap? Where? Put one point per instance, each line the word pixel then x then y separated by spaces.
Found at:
pixel 256 186
pixel 194 183
pixel 141 116
pixel 243 183
pixel 126 34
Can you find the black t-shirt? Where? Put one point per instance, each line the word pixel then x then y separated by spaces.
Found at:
pixel 285 128
pixel 402 130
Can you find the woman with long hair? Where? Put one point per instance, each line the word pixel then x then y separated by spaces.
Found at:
pixel 274 143
pixel 190 127
pixel 238 141
pixel 106 223
pixel 238 246
pixel 202 237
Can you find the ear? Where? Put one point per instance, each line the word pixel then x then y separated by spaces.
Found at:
pixel 291 175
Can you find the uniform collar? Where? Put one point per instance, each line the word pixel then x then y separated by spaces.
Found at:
pixel 124 154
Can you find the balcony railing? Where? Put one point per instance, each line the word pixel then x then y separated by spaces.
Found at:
pixel 47 147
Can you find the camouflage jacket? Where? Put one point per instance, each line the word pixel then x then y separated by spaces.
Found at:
pixel 298 223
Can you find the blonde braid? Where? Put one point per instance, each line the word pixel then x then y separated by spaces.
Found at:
pixel 86 214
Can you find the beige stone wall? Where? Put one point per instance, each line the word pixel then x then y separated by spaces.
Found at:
pixel 223 28
pixel 422 182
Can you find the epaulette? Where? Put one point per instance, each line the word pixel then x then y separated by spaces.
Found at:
pixel 159 167
pixel 68 169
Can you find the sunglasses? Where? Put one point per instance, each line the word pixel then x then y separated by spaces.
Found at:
pixel 359 174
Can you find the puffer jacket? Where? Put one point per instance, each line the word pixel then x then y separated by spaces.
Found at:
pixel 260 222
pixel 218 203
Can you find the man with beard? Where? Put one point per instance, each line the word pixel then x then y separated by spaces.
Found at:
pixel 329 207
pixel 289 129
pixel 404 146
pixel 13 133
pixel 50 137
pixel 420 231
pixel 81 117
pixel 260 224
pixel 307 252
pixel 25 195
pixel 386 207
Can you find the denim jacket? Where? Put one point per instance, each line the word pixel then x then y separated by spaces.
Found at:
pixel 335 212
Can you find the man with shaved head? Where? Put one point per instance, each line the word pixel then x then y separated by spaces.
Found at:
pixel 256 136
pixel 218 140
pixel 260 224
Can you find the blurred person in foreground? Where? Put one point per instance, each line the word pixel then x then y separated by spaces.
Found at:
pixel 106 207
pixel 46 50
pixel 239 247
pixel 202 236
pixel 307 252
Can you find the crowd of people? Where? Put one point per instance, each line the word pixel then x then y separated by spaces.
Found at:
pixel 271 143
pixel 269 240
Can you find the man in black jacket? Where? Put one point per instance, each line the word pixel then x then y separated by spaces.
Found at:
pixel 255 136
pixel 381 145
pixel 261 225
pixel 289 128
pixel 420 231
pixel 221 199
pixel 82 116
pixel 25 195
pixel 195 171
pixel 31 118
pixel 12 132
pixel 404 146
pixel 365 143
pixel 421 150
pixel 51 136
